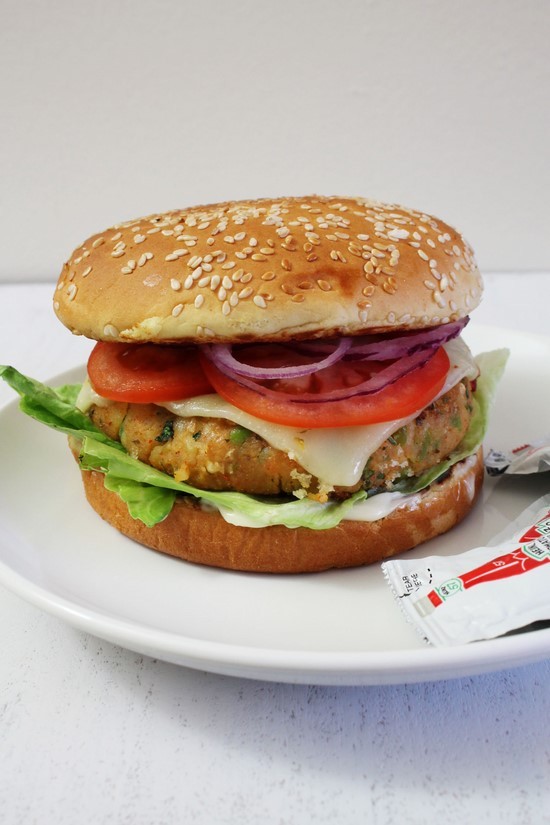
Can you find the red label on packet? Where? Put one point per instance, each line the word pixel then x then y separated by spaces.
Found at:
pixel 481 593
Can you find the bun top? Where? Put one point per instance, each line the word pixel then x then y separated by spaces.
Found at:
pixel 271 270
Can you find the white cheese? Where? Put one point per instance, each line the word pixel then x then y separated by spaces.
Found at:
pixel 335 455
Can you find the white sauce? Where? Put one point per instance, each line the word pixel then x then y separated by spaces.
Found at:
pixel 371 509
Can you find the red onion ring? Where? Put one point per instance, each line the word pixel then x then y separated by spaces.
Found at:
pixel 408 351
pixel 398 346
pixel 223 358
pixel 372 385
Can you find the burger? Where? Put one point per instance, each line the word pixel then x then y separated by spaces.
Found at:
pixel 277 385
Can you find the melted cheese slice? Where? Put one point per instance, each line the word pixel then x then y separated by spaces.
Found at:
pixel 335 455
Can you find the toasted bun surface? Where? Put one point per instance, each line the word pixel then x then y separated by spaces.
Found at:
pixel 203 537
pixel 268 270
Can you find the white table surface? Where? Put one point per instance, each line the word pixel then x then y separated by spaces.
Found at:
pixel 93 733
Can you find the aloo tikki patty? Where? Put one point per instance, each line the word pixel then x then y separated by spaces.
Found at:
pixel 216 454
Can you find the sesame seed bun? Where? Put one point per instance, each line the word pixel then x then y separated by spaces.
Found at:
pixel 203 537
pixel 270 270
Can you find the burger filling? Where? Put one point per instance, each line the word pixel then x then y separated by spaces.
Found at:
pixel 217 454
pixel 294 435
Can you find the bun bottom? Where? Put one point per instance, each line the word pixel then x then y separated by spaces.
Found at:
pixel 203 537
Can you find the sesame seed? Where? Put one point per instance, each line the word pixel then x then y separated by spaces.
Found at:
pixel 177 310
pixel 188 283
pixel 86 271
pixel 324 285
pixel 139 238
pixel 253 242
pixel 233 299
pixel 117 253
pixel 226 308
pixel 268 276
pixel 257 256
pixel 229 239
pixel 285 263
pixel 215 282
pixel 246 292
pixel 117 236
pixel 240 236
pixel 199 301
pixel 282 231
pixel 423 255
pixel 110 331
pixel 175 284
pixel 438 298
pixel 71 292
pixel 246 278
pixel 398 234
pixel 98 242
pixel 298 298
pixel 227 282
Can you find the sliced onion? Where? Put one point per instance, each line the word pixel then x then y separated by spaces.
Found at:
pixel 398 346
pixel 221 355
pixel 407 351
pixel 374 384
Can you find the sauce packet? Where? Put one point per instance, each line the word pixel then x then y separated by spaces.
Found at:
pixel 529 458
pixel 484 592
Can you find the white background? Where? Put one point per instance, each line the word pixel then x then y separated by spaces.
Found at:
pixel 112 109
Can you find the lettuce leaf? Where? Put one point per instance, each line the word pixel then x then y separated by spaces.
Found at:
pixel 150 494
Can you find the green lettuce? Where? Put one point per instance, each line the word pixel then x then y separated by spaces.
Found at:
pixel 150 494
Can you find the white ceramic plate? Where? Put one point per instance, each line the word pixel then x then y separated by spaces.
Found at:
pixel 339 627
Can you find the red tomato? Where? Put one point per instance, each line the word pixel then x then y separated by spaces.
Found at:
pixel 406 396
pixel 146 373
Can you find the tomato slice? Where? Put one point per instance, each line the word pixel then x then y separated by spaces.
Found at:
pixel 404 397
pixel 146 373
